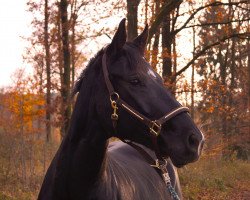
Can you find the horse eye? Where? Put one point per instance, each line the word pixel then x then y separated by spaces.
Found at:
pixel 135 81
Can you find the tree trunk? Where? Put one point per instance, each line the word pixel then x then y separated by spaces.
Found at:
pixel 132 8
pixel 167 7
pixel 166 51
pixel 223 76
pixel 73 40
pixel 230 94
pixel 155 51
pixel 173 78
pixel 248 95
pixel 60 65
pixel 232 67
pixel 47 61
pixel 146 11
pixel 192 78
pixel 66 66
pixel 248 76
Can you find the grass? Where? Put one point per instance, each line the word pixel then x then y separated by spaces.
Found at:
pixel 22 166
pixel 216 179
pixel 207 179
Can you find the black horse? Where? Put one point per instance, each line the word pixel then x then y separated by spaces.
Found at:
pixel 84 166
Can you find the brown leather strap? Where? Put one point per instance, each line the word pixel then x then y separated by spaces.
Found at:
pixel 172 114
pixel 106 73
pixel 144 153
pixel 133 112
pixel 147 157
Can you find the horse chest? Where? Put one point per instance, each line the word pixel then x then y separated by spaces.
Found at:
pixel 126 177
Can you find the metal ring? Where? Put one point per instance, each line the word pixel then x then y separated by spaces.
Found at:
pixel 114 97
pixel 155 128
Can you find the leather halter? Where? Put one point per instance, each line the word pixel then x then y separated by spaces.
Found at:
pixel 154 127
pixel 115 99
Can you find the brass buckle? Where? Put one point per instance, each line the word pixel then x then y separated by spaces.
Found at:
pixel 155 128
pixel 113 99
pixel 114 115
pixel 156 165
pixel 160 164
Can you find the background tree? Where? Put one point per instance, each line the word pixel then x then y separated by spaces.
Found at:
pixel 48 78
pixel 66 65
pixel 222 71
pixel 132 17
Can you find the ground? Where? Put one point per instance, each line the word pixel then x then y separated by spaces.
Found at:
pixel 213 179
pixel 210 178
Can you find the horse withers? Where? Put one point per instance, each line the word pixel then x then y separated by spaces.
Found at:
pixel 121 96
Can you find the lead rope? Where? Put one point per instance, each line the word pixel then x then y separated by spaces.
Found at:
pixel 166 178
pixel 173 192
pixel 161 164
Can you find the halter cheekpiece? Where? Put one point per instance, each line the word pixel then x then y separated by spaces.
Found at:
pixel 153 125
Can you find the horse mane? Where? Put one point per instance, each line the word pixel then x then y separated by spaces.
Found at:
pixel 79 81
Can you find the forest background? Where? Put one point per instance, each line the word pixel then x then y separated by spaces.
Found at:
pixel 200 48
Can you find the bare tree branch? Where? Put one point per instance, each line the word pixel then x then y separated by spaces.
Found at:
pixel 239 35
pixel 175 18
pixel 216 23
pixel 216 3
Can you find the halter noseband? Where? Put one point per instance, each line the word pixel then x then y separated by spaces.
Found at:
pixel 153 125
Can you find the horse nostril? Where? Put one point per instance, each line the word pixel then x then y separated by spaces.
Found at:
pixel 193 142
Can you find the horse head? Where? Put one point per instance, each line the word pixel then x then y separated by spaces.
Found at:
pixel 139 86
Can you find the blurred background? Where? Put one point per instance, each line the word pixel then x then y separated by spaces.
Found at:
pixel 200 48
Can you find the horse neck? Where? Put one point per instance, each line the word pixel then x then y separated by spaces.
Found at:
pixel 86 142
pixel 87 163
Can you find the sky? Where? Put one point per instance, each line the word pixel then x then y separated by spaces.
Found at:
pixel 14 22
pixel 14 25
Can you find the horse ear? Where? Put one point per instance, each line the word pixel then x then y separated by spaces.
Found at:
pixel 119 38
pixel 141 40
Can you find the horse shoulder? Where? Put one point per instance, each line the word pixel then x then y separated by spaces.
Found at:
pixel 127 176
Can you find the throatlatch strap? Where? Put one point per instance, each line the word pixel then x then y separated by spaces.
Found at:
pixel 144 154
